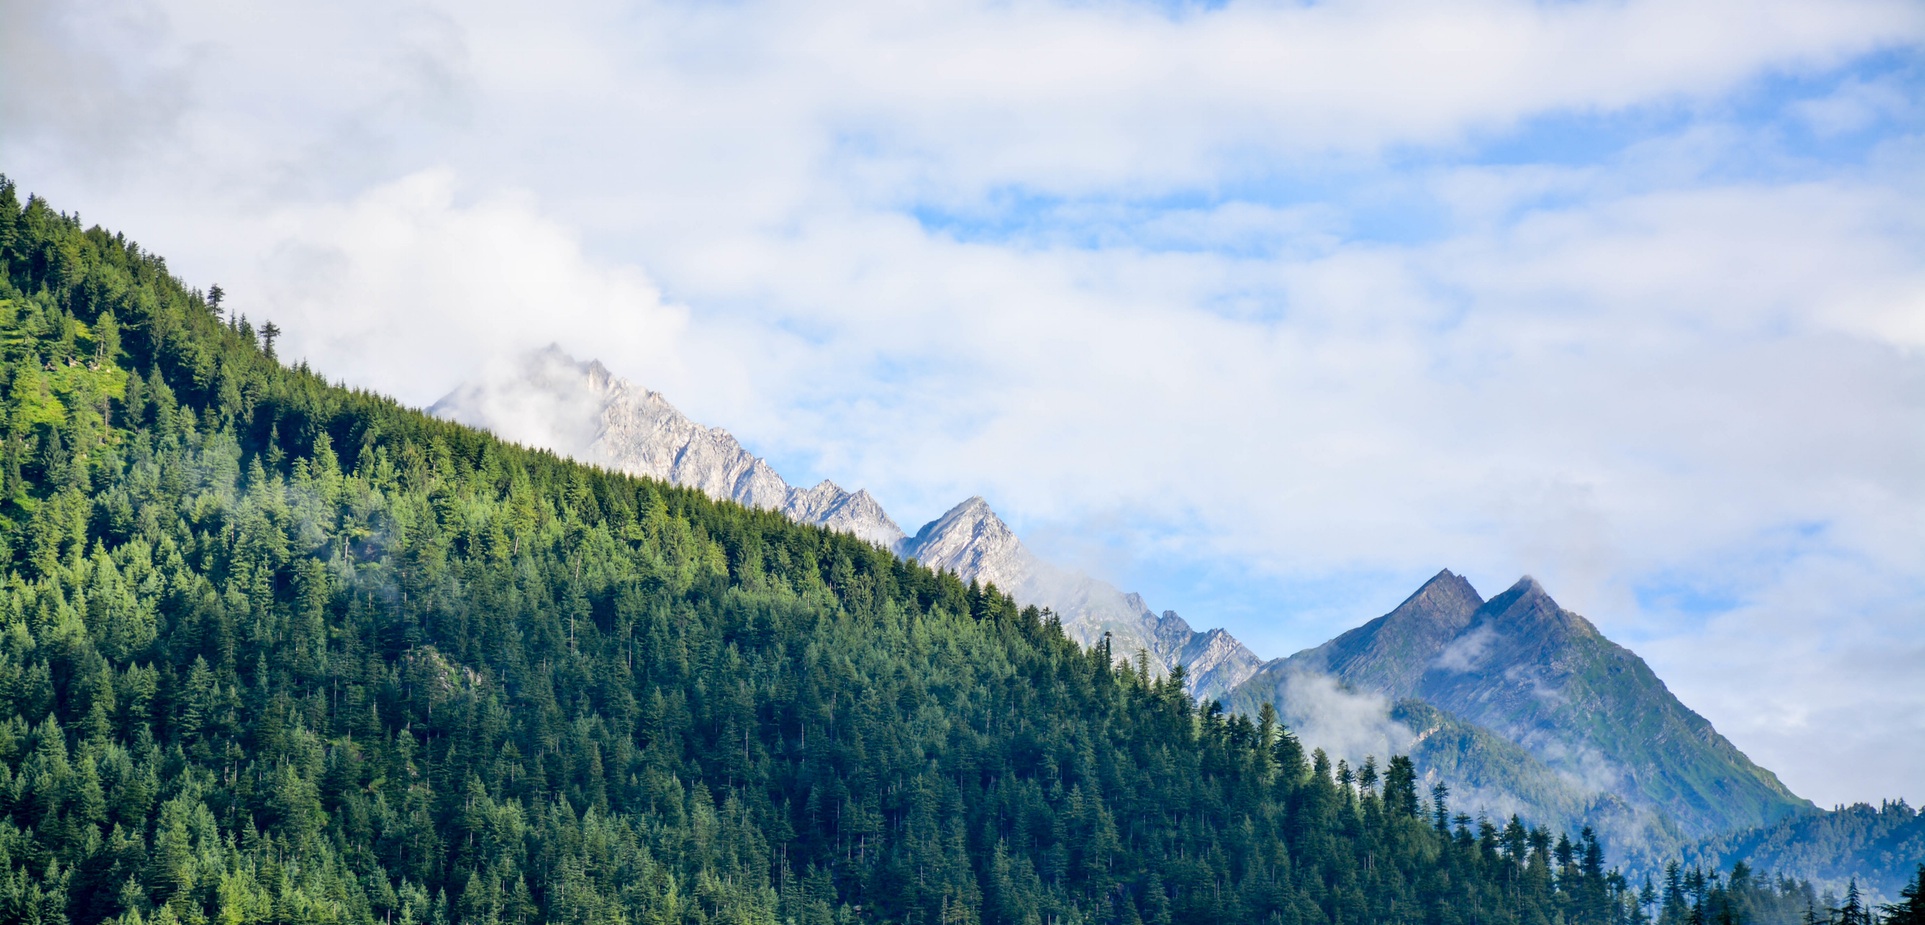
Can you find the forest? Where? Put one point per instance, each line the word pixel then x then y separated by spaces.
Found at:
pixel 277 650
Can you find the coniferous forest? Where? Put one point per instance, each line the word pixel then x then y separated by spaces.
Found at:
pixel 275 650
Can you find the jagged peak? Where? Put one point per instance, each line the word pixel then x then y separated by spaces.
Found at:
pixel 1525 591
pixel 1446 585
pixel 975 512
pixel 1171 620
pixel 974 506
pixel 1442 607
pixel 1526 603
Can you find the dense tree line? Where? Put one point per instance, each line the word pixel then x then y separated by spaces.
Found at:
pixel 1879 845
pixel 1696 896
pixel 277 650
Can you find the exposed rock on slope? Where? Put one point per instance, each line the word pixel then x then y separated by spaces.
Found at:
pixel 1520 705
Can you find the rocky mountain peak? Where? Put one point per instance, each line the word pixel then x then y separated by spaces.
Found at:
pixel 1587 713
pixel 974 510
pixel 970 540
pixel 1442 597
pixel 1526 608
pixel 1391 653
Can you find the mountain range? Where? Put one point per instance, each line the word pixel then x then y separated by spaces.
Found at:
pixel 278 649
pixel 1517 704
pixel 551 400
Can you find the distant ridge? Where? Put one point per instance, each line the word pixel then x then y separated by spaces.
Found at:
pixel 1879 847
pixel 580 409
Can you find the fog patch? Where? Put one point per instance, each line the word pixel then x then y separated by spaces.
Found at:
pixel 1581 765
pixel 538 399
pixel 1344 723
pixel 1466 653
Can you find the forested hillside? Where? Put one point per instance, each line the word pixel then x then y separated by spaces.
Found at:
pixel 276 650
pixel 1881 847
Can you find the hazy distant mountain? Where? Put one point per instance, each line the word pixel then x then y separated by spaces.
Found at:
pixel 973 542
pixel 582 410
pixel 1578 706
pixel 578 409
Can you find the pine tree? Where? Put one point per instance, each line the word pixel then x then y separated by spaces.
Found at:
pixel 1910 908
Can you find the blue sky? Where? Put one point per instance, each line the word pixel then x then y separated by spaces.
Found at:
pixel 1266 310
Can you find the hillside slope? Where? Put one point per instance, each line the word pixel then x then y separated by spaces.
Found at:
pixel 1880 847
pixel 275 650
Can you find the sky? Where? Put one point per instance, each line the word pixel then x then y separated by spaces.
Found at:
pixel 1265 310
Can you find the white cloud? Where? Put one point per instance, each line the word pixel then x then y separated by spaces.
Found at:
pixel 1815 674
pixel 1467 652
pixel 1344 723
pixel 403 287
pixel 1854 106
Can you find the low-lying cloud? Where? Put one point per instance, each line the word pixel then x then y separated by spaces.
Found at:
pixel 1348 724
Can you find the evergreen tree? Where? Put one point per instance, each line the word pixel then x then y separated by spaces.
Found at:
pixel 1910 908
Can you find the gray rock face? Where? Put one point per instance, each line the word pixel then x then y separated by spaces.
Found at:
pixel 1216 662
pixel 552 401
pixel 973 542
pixel 582 410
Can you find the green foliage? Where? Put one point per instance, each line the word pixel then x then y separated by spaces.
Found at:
pixel 1878 847
pixel 273 650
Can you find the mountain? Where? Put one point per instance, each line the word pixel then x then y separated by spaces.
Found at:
pixel 1580 707
pixel 552 401
pixel 973 542
pixel 276 650
pixel 579 409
